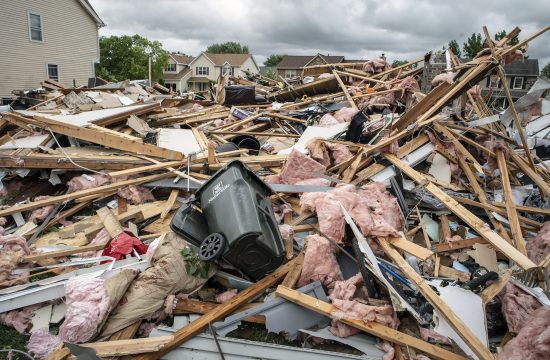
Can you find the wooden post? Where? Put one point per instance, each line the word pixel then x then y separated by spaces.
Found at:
pixel 345 90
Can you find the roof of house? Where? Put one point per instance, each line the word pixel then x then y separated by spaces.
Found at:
pixel 525 67
pixel 90 10
pixel 181 58
pixel 299 61
pixel 177 76
pixel 198 79
pixel 232 59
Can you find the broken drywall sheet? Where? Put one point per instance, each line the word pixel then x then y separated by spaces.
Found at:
pixel 181 140
pixel 485 256
pixel 441 169
pixel 29 142
pixel 468 307
pixel 313 132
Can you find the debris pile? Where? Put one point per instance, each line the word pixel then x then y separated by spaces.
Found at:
pixel 343 207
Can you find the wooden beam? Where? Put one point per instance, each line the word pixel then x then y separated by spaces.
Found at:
pixel 129 347
pixel 457 245
pixel 473 221
pixel 195 327
pixel 82 193
pixel 532 174
pixel 511 211
pixel 371 327
pixel 410 247
pixel 294 274
pixel 104 137
pixel 345 90
pixel 169 203
pixel 454 321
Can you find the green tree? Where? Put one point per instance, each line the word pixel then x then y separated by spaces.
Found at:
pixel 546 71
pixel 397 63
pixel 271 73
pixel 455 48
pixel 499 35
pixel 473 45
pixel 127 57
pixel 229 47
pixel 273 60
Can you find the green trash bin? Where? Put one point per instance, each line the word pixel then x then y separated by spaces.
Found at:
pixel 241 224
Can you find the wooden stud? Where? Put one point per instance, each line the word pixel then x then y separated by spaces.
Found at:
pixel 345 90
pixel 169 203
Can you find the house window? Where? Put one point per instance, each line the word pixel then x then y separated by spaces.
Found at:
pixel 203 86
pixel 202 70
pixel 290 73
pixel 35 27
pixel 518 83
pixel 227 70
pixel 495 82
pixel 171 86
pixel 53 72
pixel 170 67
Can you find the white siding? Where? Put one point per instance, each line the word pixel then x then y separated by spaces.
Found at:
pixel 70 40
pixel 250 66
pixel 202 60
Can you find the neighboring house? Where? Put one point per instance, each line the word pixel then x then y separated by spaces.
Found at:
pixel 40 40
pixel 520 76
pixel 196 74
pixel 292 65
pixel 177 72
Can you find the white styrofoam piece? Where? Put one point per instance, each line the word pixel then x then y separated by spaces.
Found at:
pixel 182 140
pixel 312 132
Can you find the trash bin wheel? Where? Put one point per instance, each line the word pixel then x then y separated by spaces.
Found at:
pixel 212 247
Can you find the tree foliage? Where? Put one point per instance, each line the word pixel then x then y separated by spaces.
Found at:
pixel 455 48
pixel 501 34
pixel 127 57
pixel 271 73
pixel 273 60
pixel 229 47
pixel 546 71
pixel 473 45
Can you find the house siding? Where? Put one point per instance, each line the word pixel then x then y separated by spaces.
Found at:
pixel 250 66
pixel 70 40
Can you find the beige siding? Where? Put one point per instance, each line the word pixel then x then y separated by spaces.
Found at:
pixel 250 66
pixel 204 61
pixel 70 40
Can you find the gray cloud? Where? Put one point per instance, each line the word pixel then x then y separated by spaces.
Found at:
pixel 358 29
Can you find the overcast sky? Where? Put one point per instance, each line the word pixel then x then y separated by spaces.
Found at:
pixel 357 29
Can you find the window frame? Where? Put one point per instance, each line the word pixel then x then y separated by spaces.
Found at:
pixel 522 82
pixel 48 71
pixel 228 68
pixel 293 73
pixel 204 70
pixel 169 70
pixel 29 13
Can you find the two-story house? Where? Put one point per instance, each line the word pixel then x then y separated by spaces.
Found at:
pixel 292 65
pixel 55 40
pixel 184 73
pixel 177 72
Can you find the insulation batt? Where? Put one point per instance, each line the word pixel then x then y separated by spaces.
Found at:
pixel 328 120
pixel 539 246
pixel 388 348
pixel 517 307
pixel 328 153
pixel 21 319
pixel 532 341
pixel 431 335
pixel 345 114
pixel 287 233
pixel 493 145
pixel 10 188
pixel 280 211
pixel 13 247
pixel 41 213
pixel 374 210
pixel 87 303
pixel 451 149
pixel 320 262
pixel 42 343
pixel 84 182
pixel 226 296
pixel 136 194
pixel 443 77
pixel 300 167
pixel 376 66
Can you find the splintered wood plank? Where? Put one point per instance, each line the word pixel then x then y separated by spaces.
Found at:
pixel 129 347
pixel 510 205
pixel 533 175
pixel 371 327
pixel 473 221
pixel 345 90
pixel 410 247
pixel 110 221
pixel 293 275
pixel 454 321
pixel 169 203
pixel 195 327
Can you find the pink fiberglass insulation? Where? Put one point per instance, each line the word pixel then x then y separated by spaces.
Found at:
pixel 533 340
pixel 449 146
pixel 273 179
pixel 345 290
pixel 388 349
pixel 10 187
pixel 287 233
pixel 328 120
pixel 320 262
pixel 493 145
pixel 517 307
pixel 3 221
pixel 432 336
pixel 102 237
pixel 88 303
pixel 328 153
pixel 40 214
pixel 84 182
pixel 376 66
pixel 374 210
pixel 226 296
pixel 136 194
pixel 443 77
pixel 345 114
pixel 13 248
pixel 20 319
pixel 42 343
pixel 538 247
pixel 280 211
pixel 299 167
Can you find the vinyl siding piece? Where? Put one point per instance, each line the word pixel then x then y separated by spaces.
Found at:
pixel 69 40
